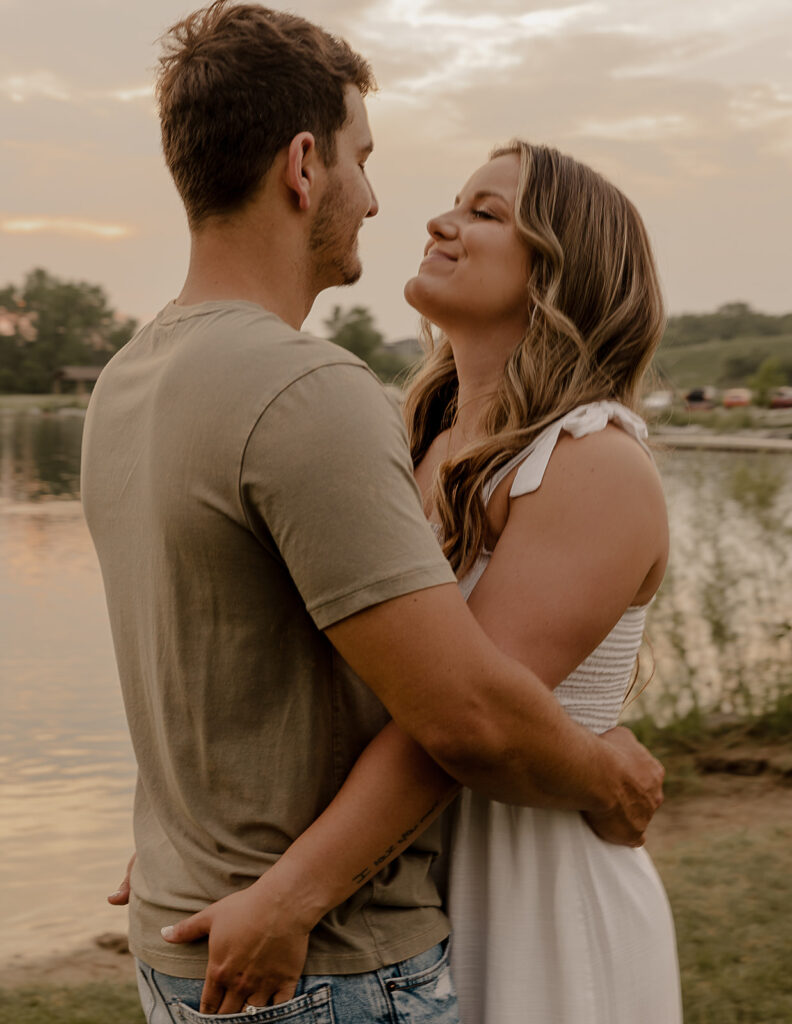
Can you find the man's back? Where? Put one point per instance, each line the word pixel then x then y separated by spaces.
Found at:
pixel 245 487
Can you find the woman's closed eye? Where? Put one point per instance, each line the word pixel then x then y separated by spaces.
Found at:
pixel 483 214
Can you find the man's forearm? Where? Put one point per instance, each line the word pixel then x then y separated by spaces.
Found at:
pixel 484 717
pixel 529 752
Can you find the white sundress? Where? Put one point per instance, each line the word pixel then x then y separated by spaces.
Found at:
pixel 551 924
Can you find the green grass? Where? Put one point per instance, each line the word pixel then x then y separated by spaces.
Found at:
pixel 722 421
pixel 688 366
pixel 79 1004
pixel 732 901
pixel 46 403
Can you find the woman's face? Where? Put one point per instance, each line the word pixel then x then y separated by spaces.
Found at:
pixel 475 266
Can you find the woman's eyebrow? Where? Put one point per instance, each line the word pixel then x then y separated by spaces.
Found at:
pixel 484 193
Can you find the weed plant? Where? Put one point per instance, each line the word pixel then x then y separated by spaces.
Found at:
pixel 721 626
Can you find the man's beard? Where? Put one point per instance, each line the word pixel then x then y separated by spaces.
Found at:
pixel 333 239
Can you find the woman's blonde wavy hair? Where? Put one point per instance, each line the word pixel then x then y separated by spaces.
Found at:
pixel 596 317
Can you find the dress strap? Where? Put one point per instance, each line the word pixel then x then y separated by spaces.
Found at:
pixel 585 419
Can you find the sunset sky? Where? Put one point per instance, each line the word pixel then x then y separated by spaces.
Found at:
pixel 685 104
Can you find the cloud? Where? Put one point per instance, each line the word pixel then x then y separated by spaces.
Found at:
pixel 65 226
pixel 141 92
pixel 47 85
pixel 34 85
pixel 644 126
pixel 424 47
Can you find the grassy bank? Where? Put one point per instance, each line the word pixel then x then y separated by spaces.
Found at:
pixel 44 403
pixel 724 421
pixel 81 1004
pixel 732 900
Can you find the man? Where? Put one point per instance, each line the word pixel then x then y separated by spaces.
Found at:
pixel 250 494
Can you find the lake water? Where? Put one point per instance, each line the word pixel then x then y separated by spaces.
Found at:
pixel 723 622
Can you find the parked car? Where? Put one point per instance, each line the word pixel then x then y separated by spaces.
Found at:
pixel 735 398
pixel 781 398
pixel 701 398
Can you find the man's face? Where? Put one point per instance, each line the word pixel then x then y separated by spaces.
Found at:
pixel 346 201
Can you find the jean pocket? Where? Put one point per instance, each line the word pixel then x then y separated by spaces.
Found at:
pixel 427 997
pixel 314 1007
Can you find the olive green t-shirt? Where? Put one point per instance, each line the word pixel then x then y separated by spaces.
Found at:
pixel 246 486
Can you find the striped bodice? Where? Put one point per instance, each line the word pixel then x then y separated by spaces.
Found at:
pixel 594 693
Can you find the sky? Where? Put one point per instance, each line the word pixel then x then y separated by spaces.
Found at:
pixel 686 105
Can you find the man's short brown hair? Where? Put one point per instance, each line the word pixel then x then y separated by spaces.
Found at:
pixel 236 83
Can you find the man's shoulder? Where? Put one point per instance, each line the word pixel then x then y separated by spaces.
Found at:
pixel 245 337
pixel 236 346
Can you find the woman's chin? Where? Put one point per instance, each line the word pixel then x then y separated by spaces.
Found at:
pixel 415 293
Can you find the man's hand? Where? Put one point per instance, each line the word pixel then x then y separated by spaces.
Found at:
pixel 642 793
pixel 257 948
pixel 120 897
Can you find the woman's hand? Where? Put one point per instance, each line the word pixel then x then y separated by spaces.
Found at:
pixel 257 946
pixel 120 897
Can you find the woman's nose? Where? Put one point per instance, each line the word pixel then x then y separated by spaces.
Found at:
pixel 442 226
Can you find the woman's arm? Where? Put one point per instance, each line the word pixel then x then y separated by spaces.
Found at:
pixel 569 560
pixel 258 938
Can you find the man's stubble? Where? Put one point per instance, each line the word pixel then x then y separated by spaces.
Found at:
pixel 333 240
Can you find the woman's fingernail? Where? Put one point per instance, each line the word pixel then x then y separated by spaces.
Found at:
pixel 167 931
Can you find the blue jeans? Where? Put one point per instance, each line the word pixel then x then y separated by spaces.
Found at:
pixel 416 991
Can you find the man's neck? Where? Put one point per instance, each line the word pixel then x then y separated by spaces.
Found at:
pixel 230 265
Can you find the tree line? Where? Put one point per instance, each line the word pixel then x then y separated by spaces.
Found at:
pixel 47 323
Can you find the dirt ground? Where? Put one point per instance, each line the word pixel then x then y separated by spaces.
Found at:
pixel 717 801
pixel 725 803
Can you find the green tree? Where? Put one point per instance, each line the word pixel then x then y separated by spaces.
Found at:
pixel 736 368
pixel 355 331
pixel 771 374
pixel 49 323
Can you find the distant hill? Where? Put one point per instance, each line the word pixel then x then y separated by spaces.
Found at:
pixel 724 348
pixel 733 320
pixel 723 364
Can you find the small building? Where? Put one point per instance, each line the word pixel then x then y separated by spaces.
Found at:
pixel 409 350
pixel 77 380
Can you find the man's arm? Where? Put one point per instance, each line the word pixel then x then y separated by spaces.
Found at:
pixel 489 721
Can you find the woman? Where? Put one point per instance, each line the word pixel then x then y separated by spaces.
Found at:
pixel 549 923
pixel 535 471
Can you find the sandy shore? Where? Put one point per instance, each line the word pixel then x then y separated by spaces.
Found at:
pixel 106 959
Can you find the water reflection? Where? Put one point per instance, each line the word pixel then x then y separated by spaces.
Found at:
pixel 66 766
pixel 40 454
pixel 721 625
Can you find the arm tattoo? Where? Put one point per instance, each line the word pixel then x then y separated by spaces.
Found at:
pixel 399 843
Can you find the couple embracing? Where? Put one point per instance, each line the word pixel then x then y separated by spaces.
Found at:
pixel 351 636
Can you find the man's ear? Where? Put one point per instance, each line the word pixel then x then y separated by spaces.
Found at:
pixel 302 163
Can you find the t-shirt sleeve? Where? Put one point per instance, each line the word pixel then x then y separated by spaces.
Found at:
pixel 327 472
